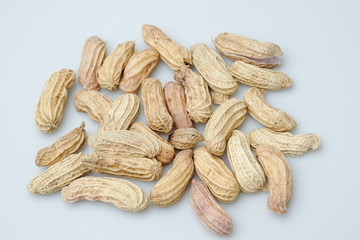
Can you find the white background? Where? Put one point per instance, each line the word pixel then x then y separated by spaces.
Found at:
pixel 321 44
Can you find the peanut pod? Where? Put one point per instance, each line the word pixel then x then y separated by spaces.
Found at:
pixel 185 138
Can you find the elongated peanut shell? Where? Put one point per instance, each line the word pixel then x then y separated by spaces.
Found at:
pixel 288 143
pixel 278 172
pixel 50 107
pixel 125 143
pixel 139 67
pixel 185 138
pixel 198 101
pixel 172 53
pixel 174 96
pixel 237 47
pixel 121 193
pixel 92 57
pixel 167 152
pixel 246 168
pixel 64 146
pixel 122 114
pixel 94 103
pixel 213 69
pixel 170 188
pixel 59 175
pixel 140 168
pixel 109 73
pixel 156 113
pixel 267 115
pixel 208 210
pixel 214 173
pixel 218 98
pixel 228 116
pixel 259 77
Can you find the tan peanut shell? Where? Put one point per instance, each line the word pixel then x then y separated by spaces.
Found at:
pixel 170 188
pixel 121 193
pixel 214 173
pixel 172 53
pixel 213 69
pixel 156 113
pixel 50 107
pixel 175 101
pixel 237 47
pixel 185 138
pixel 270 117
pixel 64 146
pixel 167 152
pixel 108 76
pixel 140 168
pixel 288 143
pixel 218 98
pixel 228 116
pixel 246 168
pixel 198 101
pixel 93 55
pixel 122 114
pixel 59 175
pixel 139 67
pixel 259 77
pixel 125 143
pixel 210 213
pixel 278 172
pixel 94 103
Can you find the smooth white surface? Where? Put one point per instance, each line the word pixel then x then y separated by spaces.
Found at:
pixel 321 44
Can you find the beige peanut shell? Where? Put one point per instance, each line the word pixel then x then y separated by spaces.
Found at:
pixel 270 117
pixel 139 67
pixel 218 98
pixel 185 138
pixel 170 188
pixel 50 107
pixel 64 146
pixel 121 193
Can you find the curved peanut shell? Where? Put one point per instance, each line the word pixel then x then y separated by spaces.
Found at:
pixel 167 152
pixel 59 175
pixel 172 53
pixel 228 116
pixel 288 143
pixel 278 172
pixel 237 47
pixel 156 113
pixel 121 193
pixel 140 168
pixel 259 77
pixel 198 101
pixel 246 168
pixel 210 213
pixel 174 96
pixel 125 143
pixel 213 69
pixel 108 76
pixel 214 173
pixel 170 188
pixel 93 55
pixel 218 98
pixel 94 103
pixel 64 146
pixel 139 67
pixel 122 114
pixel 270 117
pixel 50 107
pixel 185 138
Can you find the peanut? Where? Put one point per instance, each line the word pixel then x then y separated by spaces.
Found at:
pixel 185 138
pixel 278 172
pixel 50 107
pixel 121 193
pixel 92 57
pixel 218 98
pixel 64 146
pixel 270 117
